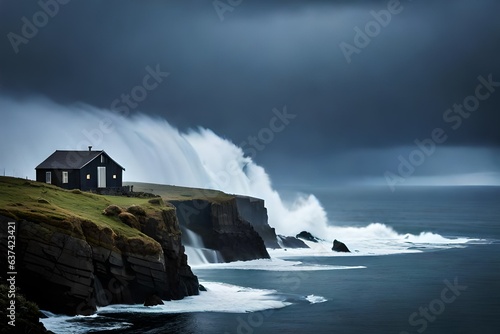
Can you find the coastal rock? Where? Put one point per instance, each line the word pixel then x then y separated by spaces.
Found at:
pixel 73 270
pixel 221 228
pixel 307 236
pixel 236 239
pixel 339 246
pixel 55 269
pixel 254 211
pixel 291 242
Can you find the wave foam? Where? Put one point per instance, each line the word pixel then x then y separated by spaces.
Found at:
pixel 373 239
pixel 219 297
pixel 62 324
pixel 316 299
pixel 273 264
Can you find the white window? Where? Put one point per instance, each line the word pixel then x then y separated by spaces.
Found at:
pixel 65 177
pixel 88 176
pixel 114 176
pixel 48 177
pixel 103 159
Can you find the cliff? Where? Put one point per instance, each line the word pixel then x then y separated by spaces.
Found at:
pixel 235 226
pixel 222 228
pixel 75 250
pixel 254 211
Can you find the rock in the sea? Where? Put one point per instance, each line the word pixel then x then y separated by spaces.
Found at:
pixel 202 288
pixel 153 300
pixel 291 242
pixel 339 246
pixel 307 236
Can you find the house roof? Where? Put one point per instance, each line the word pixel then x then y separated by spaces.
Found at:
pixel 71 159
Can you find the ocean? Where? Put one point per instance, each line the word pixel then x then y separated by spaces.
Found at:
pixel 424 260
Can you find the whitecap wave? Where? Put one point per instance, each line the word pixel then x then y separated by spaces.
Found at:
pixel 316 299
pixel 374 239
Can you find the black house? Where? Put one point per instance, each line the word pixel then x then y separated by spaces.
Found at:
pixel 85 170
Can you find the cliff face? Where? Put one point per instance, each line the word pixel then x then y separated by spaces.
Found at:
pixel 254 211
pixel 69 264
pixel 222 227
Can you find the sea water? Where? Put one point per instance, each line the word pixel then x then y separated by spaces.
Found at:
pixel 423 260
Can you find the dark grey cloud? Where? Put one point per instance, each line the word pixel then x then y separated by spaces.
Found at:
pixel 229 75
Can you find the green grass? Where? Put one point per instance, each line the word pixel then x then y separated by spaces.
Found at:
pixel 66 209
pixel 175 193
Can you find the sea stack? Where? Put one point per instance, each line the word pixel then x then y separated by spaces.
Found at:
pixel 339 246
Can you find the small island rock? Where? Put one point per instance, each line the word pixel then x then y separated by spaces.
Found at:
pixel 307 236
pixel 339 246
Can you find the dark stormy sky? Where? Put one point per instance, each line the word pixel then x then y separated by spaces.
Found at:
pixel 353 119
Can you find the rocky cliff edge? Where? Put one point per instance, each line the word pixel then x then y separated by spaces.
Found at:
pixel 75 250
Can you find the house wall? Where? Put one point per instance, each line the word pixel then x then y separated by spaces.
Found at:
pixel 73 177
pixel 111 169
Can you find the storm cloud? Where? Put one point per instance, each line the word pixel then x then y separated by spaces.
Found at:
pixel 355 114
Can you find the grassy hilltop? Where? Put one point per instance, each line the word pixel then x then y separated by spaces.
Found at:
pixel 176 193
pixel 66 209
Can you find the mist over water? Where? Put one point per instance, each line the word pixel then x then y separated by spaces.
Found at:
pixel 153 151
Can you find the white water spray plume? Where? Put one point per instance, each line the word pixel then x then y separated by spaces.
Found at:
pixel 153 151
